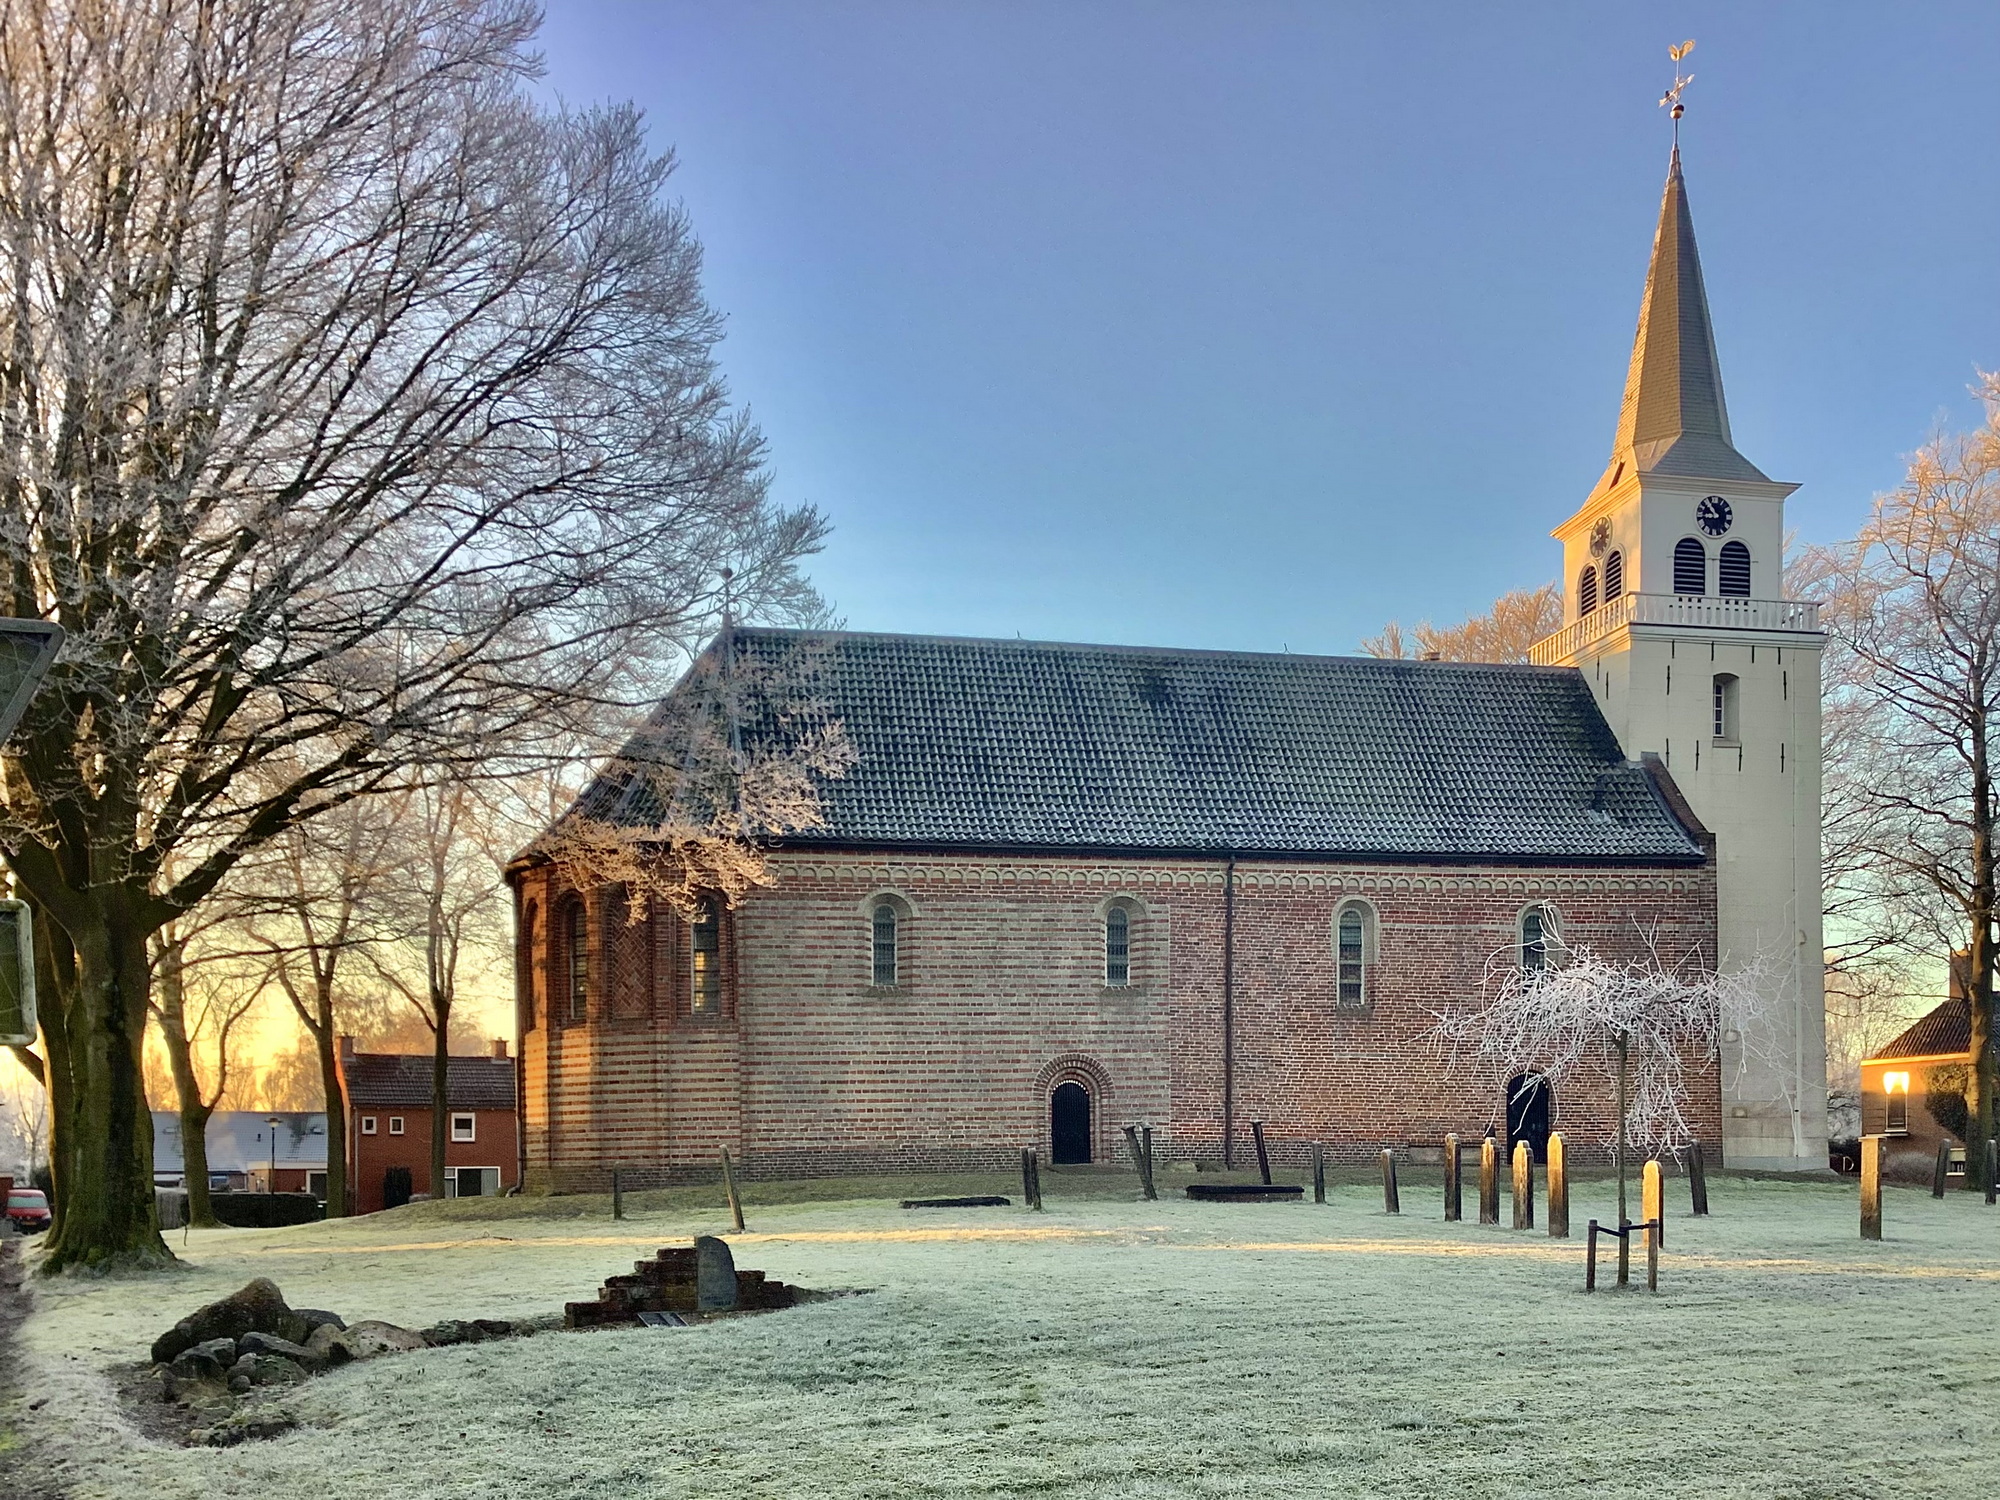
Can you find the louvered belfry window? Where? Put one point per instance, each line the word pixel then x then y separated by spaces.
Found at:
pixel 1690 566
pixel 1586 591
pixel 1351 944
pixel 882 933
pixel 1117 947
pixel 1732 571
pixel 1614 578
pixel 705 959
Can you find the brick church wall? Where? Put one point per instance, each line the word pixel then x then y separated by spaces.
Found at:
pixel 812 1069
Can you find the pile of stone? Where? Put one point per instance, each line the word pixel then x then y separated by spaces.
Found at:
pixel 701 1278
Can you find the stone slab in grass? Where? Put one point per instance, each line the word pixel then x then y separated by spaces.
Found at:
pixel 989 1200
pixel 1243 1192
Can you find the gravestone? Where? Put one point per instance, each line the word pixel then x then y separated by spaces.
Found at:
pixel 715 1275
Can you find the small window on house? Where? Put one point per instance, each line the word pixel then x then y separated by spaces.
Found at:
pixel 1354 951
pixel 1614 578
pixel 705 959
pixel 1690 566
pixel 1732 571
pixel 576 956
pixel 1538 938
pixel 1586 591
pixel 882 946
pixel 462 1128
pixel 1724 704
pixel 367 1124
pixel 1896 1088
pixel 1117 947
pixel 395 1124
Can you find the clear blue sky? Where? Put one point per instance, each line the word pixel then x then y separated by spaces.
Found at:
pixel 1254 325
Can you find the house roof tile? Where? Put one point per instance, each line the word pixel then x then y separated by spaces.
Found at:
pixel 394 1080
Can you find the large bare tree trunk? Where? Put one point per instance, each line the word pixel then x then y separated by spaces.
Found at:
pixel 170 984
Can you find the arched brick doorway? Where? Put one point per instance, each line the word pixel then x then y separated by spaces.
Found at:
pixel 1529 1104
pixel 1069 1124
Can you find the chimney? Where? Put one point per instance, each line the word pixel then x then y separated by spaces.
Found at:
pixel 346 1047
pixel 499 1049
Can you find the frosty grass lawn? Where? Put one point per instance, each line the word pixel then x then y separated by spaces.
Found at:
pixel 1105 1348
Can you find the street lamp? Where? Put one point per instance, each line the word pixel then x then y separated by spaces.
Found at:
pixel 271 1182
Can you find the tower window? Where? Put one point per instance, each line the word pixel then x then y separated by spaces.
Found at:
pixel 1117 947
pixel 1690 566
pixel 705 959
pixel 1614 578
pixel 1538 938
pixel 1725 707
pixel 1586 591
pixel 1354 952
pixel 1732 571
pixel 576 957
pixel 882 929
pixel 1896 1089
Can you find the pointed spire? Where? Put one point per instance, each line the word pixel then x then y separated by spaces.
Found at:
pixel 1674 420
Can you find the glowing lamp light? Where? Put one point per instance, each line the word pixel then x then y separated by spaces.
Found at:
pixel 1895 1083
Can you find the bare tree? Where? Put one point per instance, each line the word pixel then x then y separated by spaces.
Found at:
pixel 200 1034
pixel 1503 634
pixel 358 413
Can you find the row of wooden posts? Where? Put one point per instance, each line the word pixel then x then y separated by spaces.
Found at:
pixel 1872 1147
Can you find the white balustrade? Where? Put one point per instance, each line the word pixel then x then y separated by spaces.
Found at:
pixel 1690 611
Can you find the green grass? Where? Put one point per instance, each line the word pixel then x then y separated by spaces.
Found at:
pixel 1105 1348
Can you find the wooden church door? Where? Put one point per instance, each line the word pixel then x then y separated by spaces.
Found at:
pixel 1069 1125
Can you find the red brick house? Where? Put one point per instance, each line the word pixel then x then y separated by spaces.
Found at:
pixel 1899 1083
pixel 389 1126
pixel 1066 888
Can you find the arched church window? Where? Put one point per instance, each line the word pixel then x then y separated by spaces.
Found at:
pixel 882 932
pixel 1725 707
pixel 705 959
pixel 576 960
pixel 1690 566
pixel 524 968
pixel 1586 591
pixel 1614 578
pixel 1117 947
pixel 1540 946
pixel 1354 954
pixel 1732 571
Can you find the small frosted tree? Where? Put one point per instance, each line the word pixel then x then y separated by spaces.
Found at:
pixel 1642 1026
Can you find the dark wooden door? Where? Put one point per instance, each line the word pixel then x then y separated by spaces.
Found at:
pixel 1528 1101
pixel 1069 1124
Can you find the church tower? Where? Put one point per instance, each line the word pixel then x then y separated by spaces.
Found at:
pixel 1674 611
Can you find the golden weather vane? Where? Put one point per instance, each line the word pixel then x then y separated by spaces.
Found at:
pixel 1671 99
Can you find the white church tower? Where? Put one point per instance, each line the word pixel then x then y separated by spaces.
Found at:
pixel 1674 612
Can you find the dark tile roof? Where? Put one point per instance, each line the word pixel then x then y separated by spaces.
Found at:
pixel 997 744
pixel 1944 1032
pixel 397 1080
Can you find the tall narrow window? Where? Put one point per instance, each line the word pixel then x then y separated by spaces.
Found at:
pixel 705 959
pixel 1896 1088
pixel 1690 566
pixel 1725 707
pixel 1537 937
pixel 1614 578
pixel 576 957
pixel 882 927
pixel 1732 571
pixel 524 968
pixel 1586 591
pixel 1117 946
pixel 1351 947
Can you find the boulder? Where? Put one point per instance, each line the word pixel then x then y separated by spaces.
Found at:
pixel 270 1343
pixel 208 1360
pixel 319 1317
pixel 324 1346
pixel 269 1369
pixel 714 1275
pixel 257 1308
pixel 368 1338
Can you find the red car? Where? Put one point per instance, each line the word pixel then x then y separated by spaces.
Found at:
pixel 29 1209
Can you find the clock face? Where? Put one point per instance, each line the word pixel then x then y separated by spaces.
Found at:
pixel 1600 536
pixel 1713 515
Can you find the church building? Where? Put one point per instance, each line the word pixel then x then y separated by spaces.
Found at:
pixel 1063 889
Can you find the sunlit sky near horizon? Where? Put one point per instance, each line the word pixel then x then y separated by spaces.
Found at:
pixel 1254 326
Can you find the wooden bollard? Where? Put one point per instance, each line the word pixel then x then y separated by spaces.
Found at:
pixel 1990 1176
pixel 1654 1228
pixel 1454 1207
pixel 1698 1180
pixel 1524 1186
pixel 1624 1252
pixel 1138 1161
pixel 1263 1156
pixel 1871 1187
pixel 617 1196
pixel 1319 1173
pixel 1146 1183
pixel 1941 1170
pixel 1590 1257
pixel 1031 1181
pixel 1558 1188
pixel 1653 1196
pixel 1489 1181
pixel 729 1187
pixel 1392 1202
pixel 1035 1179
